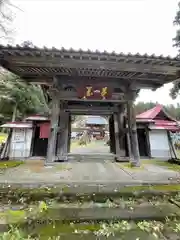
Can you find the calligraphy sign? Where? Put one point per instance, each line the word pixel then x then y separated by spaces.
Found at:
pixel 94 92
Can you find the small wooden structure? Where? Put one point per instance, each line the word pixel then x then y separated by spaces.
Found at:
pixel 153 128
pixel 86 82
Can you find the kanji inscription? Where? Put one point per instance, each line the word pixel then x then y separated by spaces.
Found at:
pixel 95 92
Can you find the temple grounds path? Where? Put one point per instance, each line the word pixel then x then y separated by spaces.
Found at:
pixel 104 172
pixel 92 165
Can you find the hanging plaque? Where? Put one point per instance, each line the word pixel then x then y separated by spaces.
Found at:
pixel 95 92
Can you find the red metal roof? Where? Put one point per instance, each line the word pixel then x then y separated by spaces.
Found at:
pixel 36 117
pixel 169 128
pixel 150 117
pixel 165 123
pixel 151 113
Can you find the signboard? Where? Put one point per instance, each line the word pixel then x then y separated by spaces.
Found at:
pixel 19 135
pixel 95 92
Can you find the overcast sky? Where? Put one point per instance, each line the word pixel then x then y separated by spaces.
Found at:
pixel 143 26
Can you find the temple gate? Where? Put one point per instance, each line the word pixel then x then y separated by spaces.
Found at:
pixel 85 82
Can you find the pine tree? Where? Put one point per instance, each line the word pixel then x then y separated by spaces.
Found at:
pixel 176 85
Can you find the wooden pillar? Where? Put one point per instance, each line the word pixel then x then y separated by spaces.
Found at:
pixel 135 161
pixel 62 144
pixel 117 138
pixel 69 133
pixel 122 131
pixel 148 142
pixel 129 146
pixel 111 134
pixel 51 151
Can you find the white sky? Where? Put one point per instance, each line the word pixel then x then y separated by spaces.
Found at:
pixel 143 26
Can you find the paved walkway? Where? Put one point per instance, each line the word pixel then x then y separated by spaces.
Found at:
pixel 87 172
pixel 93 147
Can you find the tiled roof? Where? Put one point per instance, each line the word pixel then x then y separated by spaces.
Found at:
pixel 35 64
pixel 96 120
pixel 38 51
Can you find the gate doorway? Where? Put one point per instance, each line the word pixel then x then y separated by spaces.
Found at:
pixel 39 145
pixel 142 141
pixel 89 134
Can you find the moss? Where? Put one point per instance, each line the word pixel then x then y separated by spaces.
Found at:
pixel 55 228
pixel 64 194
pixel 22 215
pixel 15 216
pixel 129 166
pixel 166 188
pixel 171 166
pixel 9 164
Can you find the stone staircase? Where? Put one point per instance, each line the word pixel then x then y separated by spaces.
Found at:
pixel 51 211
pixel 96 157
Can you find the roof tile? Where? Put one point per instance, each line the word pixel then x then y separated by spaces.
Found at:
pixel 71 50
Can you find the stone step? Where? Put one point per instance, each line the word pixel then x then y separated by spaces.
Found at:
pixel 100 193
pixel 39 220
pixel 131 235
pixel 91 211
pixel 102 212
pixel 123 230
pixel 90 157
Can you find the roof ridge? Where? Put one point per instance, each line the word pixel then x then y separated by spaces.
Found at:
pixel 88 51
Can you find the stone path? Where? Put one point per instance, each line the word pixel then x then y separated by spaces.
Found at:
pixel 93 147
pixel 87 172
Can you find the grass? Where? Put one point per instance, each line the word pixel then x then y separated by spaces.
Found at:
pixel 166 188
pixel 63 167
pixel 162 163
pixel 3 137
pixel 9 164
pixel 127 165
pixel 75 144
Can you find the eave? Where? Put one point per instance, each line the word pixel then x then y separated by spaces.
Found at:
pixel 42 64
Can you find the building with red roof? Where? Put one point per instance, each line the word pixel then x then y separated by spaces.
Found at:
pixel 30 137
pixel 154 126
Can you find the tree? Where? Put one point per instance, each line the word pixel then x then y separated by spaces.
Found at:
pixel 27 98
pixel 6 18
pixel 176 85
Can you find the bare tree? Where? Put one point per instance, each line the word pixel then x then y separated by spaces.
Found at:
pixel 7 14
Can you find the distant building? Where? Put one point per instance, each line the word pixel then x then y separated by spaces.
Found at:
pixel 97 126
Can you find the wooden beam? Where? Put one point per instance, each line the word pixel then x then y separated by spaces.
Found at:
pixel 86 80
pixel 92 100
pixel 93 64
pixel 90 108
pixel 105 113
